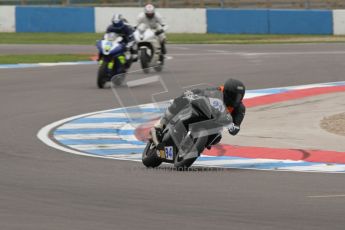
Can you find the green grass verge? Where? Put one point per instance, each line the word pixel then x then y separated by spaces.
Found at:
pixel 37 58
pixel 90 38
pixel 250 38
pixel 50 38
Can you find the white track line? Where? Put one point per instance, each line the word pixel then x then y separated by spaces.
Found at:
pixel 109 136
pixel 124 115
pixel 262 53
pixel 244 162
pixel 107 146
pixel 327 196
pixel 324 167
pixel 105 125
pixel 43 135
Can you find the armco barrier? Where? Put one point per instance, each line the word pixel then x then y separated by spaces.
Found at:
pixel 229 21
pixel 300 22
pixel 55 19
pixel 339 22
pixel 7 19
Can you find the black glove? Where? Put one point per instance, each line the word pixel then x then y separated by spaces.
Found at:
pixel 129 45
pixel 233 129
pixel 158 32
pixel 197 91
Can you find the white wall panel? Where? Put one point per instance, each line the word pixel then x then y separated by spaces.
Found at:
pixel 178 20
pixel 339 22
pixel 7 19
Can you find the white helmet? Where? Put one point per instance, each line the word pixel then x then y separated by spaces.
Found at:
pixel 149 11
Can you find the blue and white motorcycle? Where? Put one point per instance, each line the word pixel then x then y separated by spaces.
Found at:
pixel 112 63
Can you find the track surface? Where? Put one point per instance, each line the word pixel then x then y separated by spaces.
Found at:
pixel 297 130
pixel 42 188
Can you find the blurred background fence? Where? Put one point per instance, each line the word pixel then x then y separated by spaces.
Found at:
pixel 282 4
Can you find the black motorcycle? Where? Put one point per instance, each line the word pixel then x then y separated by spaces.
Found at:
pixel 198 125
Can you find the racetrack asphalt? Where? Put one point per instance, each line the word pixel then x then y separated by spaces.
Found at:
pixel 43 188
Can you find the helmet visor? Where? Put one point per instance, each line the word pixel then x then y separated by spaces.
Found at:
pixel 118 24
pixel 149 15
pixel 233 99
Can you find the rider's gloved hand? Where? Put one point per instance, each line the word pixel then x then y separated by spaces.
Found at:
pixel 129 45
pixel 158 32
pixel 197 91
pixel 233 129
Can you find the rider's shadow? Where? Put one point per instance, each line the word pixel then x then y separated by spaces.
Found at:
pixel 195 168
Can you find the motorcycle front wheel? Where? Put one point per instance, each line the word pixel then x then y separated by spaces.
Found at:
pixel 102 76
pixel 182 164
pixel 144 60
pixel 149 157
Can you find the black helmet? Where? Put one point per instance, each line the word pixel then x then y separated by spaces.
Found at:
pixel 234 91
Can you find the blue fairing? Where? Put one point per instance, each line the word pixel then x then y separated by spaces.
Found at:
pixel 118 50
pixel 99 45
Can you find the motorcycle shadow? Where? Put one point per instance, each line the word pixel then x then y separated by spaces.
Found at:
pixel 195 168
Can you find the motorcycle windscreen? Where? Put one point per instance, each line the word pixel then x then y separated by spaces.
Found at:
pixel 202 105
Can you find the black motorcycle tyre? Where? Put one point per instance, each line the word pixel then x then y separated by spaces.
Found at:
pixel 149 157
pixel 184 164
pixel 102 76
pixel 144 60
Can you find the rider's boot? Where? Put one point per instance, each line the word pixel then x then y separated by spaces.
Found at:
pixel 163 52
pixel 128 64
pixel 215 141
pixel 163 48
pixel 135 57
pixel 156 132
pixel 156 137
pixel 134 54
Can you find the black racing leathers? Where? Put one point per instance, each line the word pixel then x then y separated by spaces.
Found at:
pixel 126 32
pixel 237 113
